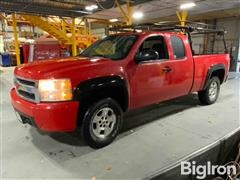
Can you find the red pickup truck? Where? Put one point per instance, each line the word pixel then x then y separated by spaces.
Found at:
pixel 114 75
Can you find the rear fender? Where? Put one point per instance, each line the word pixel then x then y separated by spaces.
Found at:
pixel 211 71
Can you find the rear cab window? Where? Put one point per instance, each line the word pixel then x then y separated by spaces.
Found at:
pixel 178 47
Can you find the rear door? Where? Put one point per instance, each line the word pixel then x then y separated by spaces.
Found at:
pixel 182 68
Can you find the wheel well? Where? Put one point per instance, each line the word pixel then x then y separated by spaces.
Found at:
pixel 117 93
pixel 218 73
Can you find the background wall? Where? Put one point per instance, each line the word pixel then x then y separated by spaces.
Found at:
pixel 232 26
pixel 232 37
pixel 197 45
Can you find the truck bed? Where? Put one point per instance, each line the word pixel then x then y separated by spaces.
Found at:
pixel 202 64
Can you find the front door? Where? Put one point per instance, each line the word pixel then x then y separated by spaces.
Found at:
pixel 150 77
pixel 168 76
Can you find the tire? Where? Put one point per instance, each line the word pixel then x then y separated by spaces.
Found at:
pixel 102 123
pixel 211 93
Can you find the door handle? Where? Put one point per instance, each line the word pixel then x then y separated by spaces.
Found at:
pixel 167 69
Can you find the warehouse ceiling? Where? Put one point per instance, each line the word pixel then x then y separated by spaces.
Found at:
pixel 153 10
pixel 67 8
pixel 210 15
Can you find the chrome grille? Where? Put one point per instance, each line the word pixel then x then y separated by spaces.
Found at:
pixel 27 89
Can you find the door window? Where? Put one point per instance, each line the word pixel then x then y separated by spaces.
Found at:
pixel 157 44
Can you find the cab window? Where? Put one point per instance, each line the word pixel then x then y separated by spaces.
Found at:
pixel 156 44
pixel 178 47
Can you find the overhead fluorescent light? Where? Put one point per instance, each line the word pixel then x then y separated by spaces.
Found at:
pixel 187 5
pixel 91 7
pixel 94 6
pixel 137 15
pixel 88 8
pixel 83 12
pixel 113 20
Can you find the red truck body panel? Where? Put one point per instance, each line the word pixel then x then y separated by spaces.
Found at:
pixel 149 83
pixel 60 116
pixel 146 83
pixel 203 63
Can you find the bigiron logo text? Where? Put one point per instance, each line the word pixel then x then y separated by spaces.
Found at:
pixel 202 171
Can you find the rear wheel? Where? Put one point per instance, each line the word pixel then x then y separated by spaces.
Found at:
pixel 102 123
pixel 211 93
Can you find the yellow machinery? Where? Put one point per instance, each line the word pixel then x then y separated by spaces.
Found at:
pixel 52 28
pixel 66 32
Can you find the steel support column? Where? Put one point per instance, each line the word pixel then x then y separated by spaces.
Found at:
pixel 14 23
pixel 128 15
pixel 182 16
pixel 129 9
pixel 74 44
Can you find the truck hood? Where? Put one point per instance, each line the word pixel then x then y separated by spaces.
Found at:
pixel 50 68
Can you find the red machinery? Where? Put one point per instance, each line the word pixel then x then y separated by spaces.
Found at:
pixel 43 48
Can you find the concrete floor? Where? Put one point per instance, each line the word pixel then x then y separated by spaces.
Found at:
pixel 152 138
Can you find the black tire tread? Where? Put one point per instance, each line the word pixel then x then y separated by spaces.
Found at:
pixel 203 95
pixel 94 143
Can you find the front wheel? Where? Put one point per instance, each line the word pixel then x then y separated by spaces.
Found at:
pixel 102 123
pixel 211 93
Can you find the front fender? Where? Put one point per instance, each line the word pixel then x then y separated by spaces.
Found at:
pixel 96 87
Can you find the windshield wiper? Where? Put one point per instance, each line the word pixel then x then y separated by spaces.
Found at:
pixel 82 55
pixel 99 55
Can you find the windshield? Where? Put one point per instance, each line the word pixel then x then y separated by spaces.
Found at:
pixel 114 47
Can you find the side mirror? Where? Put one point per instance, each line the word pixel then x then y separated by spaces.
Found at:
pixel 147 55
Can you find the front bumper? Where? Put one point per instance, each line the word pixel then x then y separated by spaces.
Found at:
pixel 58 116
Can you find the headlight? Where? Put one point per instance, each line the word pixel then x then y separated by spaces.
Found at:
pixel 55 90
